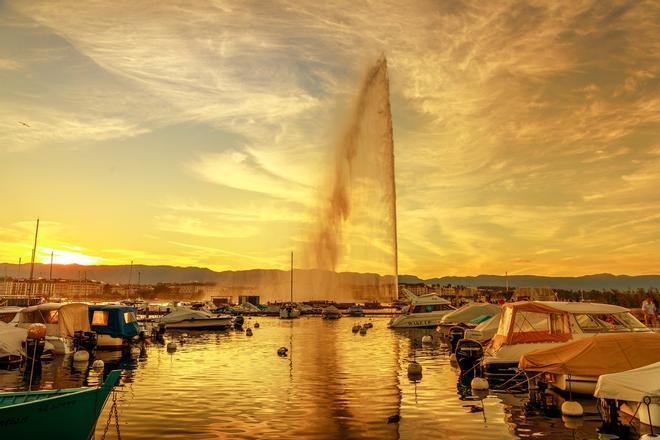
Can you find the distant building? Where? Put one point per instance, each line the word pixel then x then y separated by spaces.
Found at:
pixel 252 299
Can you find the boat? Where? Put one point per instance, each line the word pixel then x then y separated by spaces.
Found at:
pixel 115 325
pixel 331 312
pixel 576 366
pixel 188 319
pixel 636 392
pixel 532 325
pixel 424 311
pixel 355 311
pixel 69 413
pixel 485 331
pixel 289 310
pixel 468 316
pixel 62 321
pixel 11 345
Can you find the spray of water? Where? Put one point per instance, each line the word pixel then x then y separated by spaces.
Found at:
pixel 357 227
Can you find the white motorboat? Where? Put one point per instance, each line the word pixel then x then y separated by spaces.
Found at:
pixel 637 391
pixel 61 321
pixel 188 319
pixel 424 311
pixel 485 331
pixel 532 325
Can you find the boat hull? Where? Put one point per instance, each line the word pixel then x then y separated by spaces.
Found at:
pixel 200 324
pixel 107 342
pixel 575 384
pixel 289 313
pixel 421 320
pixel 641 412
pixel 71 415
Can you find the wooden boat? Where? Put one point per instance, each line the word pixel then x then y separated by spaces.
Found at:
pixel 65 413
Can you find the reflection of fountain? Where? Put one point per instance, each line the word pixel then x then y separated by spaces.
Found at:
pixel 357 227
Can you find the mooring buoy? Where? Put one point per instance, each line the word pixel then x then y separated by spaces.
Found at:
pixel 81 356
pixel 282 351
pixel 171 346
pixel 572 408
pixel 479 383
pixel 248 332
pixel 427 339
pixel 414 369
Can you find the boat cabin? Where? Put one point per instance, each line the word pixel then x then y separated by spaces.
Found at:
pixel 117 321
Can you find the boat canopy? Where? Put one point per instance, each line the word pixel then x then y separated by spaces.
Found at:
pixel 631 385
pixel 596 355
pixel 114 320
pixel 11 339
pixel 532 322
pixel 471 311
pixel 60 319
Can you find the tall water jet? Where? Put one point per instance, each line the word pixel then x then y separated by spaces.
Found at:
pixel 357 227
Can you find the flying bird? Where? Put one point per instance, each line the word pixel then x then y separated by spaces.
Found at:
pixel 23 123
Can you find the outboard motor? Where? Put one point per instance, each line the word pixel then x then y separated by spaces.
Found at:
pixel 84 340
pixel 456 333
pixel 238 322
pixel 468 354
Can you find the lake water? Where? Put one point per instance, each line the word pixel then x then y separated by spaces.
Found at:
pixel 332 385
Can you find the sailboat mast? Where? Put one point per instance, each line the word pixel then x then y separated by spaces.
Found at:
pixel 291 276
pixel 34 251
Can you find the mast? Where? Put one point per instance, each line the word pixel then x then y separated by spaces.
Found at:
pixel 34 251
pixel 130 276
pixel 291 277
pixel 50 275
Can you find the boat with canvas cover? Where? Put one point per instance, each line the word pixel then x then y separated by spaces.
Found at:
pixel 54 414
pixel 62 321
pixel 115 325
pixel 532 325
pixel 424 311
pixel 11 345
pixel 636 391
pixel 576 366
pixel 468 316
pixel 331 312
pixel 188 319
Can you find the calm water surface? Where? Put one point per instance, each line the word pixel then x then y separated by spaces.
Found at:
pixel 334 384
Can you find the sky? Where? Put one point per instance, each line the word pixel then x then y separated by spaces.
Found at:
pixel 198 133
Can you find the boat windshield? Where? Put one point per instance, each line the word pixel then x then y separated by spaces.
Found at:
pixel 608 322
pixel 129 317
pixel 426 308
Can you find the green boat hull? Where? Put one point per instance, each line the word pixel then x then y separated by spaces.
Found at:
pixel 54 414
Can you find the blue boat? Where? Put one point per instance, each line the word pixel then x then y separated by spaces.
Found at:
pixel 115 325
pixel 55 414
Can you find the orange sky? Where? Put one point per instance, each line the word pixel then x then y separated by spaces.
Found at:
pixel 526 133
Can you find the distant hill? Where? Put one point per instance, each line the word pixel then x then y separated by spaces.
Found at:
pixel 586 282
pixel 309 283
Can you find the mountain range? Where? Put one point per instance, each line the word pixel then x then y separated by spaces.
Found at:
pixel 311 279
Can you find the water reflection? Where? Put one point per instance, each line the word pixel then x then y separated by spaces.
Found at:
pixel 332 383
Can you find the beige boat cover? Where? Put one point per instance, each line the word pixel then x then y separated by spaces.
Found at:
pixel 60 319
pixel 596 355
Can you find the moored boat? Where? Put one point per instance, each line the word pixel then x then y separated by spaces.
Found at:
pixel 468 316
pixel 11 345
pixel 425 311
pixel 532 325
pixel 331 312
pixel 188 319
pixel 62 321
pixel 576 366
pixel 115 325
pixel 58 414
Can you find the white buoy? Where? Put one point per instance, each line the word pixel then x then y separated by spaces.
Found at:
pixel 427 339
pixel 185 335
pixel 256 325
pixel 248 332
pixel 650 437
pixel 414 369
pixel 572 409
pixel 171 346
pixel 98 364
pixel 479 383
pixel 81 356
pixel 363 331
pixel 356 328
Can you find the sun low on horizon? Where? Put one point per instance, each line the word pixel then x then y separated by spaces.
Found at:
pixel 526 134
